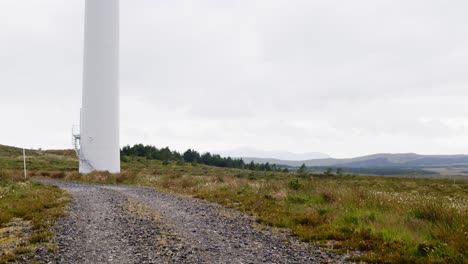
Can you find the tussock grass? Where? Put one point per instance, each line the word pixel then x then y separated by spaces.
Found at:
pixel 31 203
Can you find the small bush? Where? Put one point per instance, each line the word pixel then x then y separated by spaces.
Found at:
pixel 123 158
pixel 252 177
pixel 294 184
pixel 243 189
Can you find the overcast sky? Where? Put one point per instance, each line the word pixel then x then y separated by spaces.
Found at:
pixel 346 78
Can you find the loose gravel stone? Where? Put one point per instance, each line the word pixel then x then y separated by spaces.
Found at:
pixel 126 224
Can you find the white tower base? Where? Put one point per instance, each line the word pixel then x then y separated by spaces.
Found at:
pixel 99 128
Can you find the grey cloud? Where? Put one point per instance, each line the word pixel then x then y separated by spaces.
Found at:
pixel 342 77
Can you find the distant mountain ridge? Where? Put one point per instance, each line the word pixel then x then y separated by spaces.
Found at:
pixel 383 160
pixel 274 154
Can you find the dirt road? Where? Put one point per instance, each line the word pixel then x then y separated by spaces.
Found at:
pixel 123 224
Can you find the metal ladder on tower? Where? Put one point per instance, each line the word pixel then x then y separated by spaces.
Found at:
pixel 77 146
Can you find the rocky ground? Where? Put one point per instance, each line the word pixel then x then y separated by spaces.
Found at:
pixel 123 224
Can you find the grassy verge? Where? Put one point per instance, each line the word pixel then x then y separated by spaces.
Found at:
pixel 388 220
pixel 27 210
pixel 12 159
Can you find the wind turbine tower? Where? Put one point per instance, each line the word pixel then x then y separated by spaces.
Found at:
pixel 97 143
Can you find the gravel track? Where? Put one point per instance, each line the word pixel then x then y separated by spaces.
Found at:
pixel 125 224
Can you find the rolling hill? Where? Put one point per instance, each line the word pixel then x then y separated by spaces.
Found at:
pixel 443 164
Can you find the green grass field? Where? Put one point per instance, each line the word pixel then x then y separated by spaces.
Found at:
pixel 384 220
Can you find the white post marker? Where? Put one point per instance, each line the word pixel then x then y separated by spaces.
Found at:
pixel 24 162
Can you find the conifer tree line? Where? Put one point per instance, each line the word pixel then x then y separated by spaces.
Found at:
pixel 194 157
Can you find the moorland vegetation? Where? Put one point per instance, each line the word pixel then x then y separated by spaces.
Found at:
pixel 379 219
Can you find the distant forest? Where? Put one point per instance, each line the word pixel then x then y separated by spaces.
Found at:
pixel 194 157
